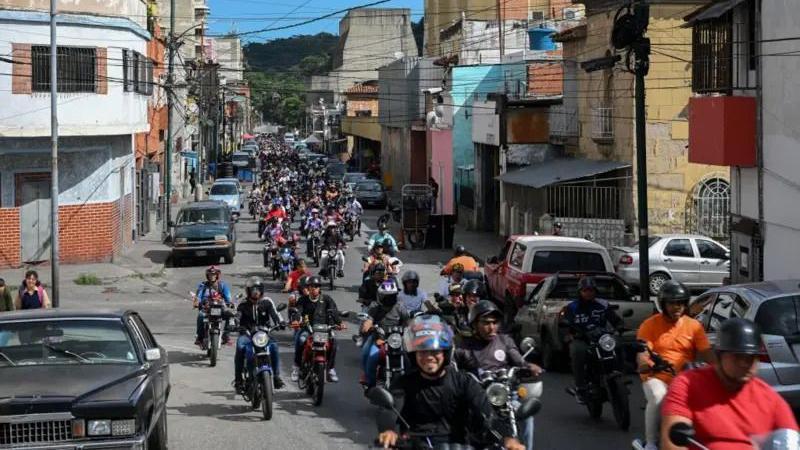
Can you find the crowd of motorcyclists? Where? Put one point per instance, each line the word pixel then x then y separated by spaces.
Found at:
pixel 443 368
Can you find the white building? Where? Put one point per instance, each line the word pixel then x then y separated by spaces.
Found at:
pixel 104 80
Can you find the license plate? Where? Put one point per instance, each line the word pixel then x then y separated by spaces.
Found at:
pixel 216 312
pixel 201 253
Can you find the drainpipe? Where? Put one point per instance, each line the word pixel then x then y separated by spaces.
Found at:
pixel 503 141
pixel 759 142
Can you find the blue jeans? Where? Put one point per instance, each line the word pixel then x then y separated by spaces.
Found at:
pixel 370 357
pixel 244 350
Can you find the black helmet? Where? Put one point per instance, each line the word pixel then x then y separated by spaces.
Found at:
pixel 314 280
pixel 302 282
pixel 252 284
pixel 460 250
pixel 383 226
pixel 483 308
pixel 587 283
pixel 410 276
pixel 673 291
pixel 378 268
pixel 737 335
pixel 473 287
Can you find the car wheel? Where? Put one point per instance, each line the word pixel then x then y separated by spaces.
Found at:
pixel 656 281
pixel 228 258
pixel 158 437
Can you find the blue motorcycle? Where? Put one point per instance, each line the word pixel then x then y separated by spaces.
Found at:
pixel 258 378
pixel 286 261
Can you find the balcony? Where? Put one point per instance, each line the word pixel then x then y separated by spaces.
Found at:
pixel 602 125
pixel 722 131
pixel 563 123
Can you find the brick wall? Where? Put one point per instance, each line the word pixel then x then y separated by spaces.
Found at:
pixel 545 78
pixel 9 238
pixel 127 222
pixel 21 70
pixel 89 232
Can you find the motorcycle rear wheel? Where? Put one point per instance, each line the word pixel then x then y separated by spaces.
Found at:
pixel 319 384
pixel 595 407
pixel 619 402
pixel 267 391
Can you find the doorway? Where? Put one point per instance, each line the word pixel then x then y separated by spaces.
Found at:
pixel 33 199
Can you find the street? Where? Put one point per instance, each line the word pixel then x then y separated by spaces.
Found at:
pixel 205 413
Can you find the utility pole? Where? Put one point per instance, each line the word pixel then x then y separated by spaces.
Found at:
pixel 54 262
pixel 170 129
pixel 500 30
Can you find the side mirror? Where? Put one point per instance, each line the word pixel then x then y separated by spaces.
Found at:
pixel 281 307
pixel 527 344
pixel 627 313
pixel 530 407
pixel 240 296
pixel 727 255
pixel 152 354
pixel 681 434
pixel 379 396
pixel 345 313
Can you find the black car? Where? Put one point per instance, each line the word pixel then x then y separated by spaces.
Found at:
pixel 370 193
pixel 81 379
pixel 203 229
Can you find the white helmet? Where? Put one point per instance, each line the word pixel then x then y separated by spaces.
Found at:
pixel 331 223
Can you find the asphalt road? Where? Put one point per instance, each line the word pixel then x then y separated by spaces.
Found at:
pixel 204 412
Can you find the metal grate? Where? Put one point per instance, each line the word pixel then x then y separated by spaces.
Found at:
pixel 723 55
pixel 37 432
pixel 602 124
pixel 76 69
pixel 597 202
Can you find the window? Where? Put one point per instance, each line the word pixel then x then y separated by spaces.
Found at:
pixel 679 247
pixel 504 251
pixel 224 189
pixel 535 17
pixel 518 255
pixel 710 249
pixel 76 69
pixel 547 261
pixel 778 316
pixel 728 305
pixel 137 72
pixel 149 340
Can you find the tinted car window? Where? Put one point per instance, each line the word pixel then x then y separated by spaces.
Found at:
pixel 679 247
pixel 204 215
pixel 550 261
pixel 727 306
pixel 369 187
pixel 224 189
pixel 779 316
pixel 243 157
pixel 518 255
pixel 709 249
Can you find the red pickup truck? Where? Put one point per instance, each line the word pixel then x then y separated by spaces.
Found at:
pixel 524 261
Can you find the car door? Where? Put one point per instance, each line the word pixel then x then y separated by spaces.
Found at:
pixel 679 257
pixel 714 264
pixel 513 280
pixel 155 369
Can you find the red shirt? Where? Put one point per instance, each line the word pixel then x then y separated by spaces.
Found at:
pixel 723 419
pixel 294 277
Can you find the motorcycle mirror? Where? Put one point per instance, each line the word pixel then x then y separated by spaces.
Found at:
pixel 239 296
pixel 530 407
pixel 627 313
pixel 364 258
pixel 379 396
pixel 395 263
pixel 527 344
pixel 681 434
pixel 281 307
pixel 345 313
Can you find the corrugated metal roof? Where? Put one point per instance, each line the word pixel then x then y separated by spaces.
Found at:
pixel 558 170
pixel 710 11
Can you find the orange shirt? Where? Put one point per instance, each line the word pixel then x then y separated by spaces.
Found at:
pixel 469 263
pixel 678 343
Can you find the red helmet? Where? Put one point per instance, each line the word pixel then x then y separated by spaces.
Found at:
pixel 213 269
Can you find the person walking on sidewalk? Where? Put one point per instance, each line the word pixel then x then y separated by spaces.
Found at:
pixel 31 294
pixel 193 180
pixel 6 300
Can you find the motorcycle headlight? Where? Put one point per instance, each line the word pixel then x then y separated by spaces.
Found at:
pixel 497 394
pixel 320 338
pixel 395 340
pixel 607 342
pixel 260 339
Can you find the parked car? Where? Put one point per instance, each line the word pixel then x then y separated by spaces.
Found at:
pixel 774 306
pixel 231 180
pixel 524 261
pixel 697 261
pixel 229 194
pixel 351 178
pixel 288 138
pixel 241 159
pixel 371 193
pixel 250 149
pixel 203 229
pixel 81 379
pixel 543 309
pixel 335 170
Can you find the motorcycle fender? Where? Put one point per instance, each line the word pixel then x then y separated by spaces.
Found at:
pixel 262 369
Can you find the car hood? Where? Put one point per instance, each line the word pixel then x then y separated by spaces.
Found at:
pixel 35 389
pixel 229 199
pixel 200 230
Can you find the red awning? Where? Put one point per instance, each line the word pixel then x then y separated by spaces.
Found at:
pixel 247 136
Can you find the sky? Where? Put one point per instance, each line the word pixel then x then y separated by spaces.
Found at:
pixel 246 15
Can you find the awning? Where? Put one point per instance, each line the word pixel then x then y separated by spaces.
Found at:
pixel 558 170
pixel 312 140
pixel 709 12
pixel 247 136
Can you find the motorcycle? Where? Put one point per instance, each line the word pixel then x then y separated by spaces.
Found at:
pixel 683 435
pixel 330 267
pixel 393 361
pixel 349 226
pixel 606 381
pixel 314 246
pixel 286 262
pixel 314 364
pixel 270 254
pixel 214 324
pixel 258 378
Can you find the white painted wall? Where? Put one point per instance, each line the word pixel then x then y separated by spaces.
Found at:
pixel 80 114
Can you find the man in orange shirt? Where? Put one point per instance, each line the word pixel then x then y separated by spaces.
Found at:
pixel 461 257
pixel 678 339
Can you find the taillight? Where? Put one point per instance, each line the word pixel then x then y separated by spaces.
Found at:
pixel 626 260
pixel 764 356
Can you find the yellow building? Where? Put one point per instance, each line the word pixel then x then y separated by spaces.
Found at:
pixel 682 196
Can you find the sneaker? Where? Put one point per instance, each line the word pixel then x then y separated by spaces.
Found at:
pixel 295 373
pixel 332 377
pixel 239 386
pixel 278 383
pixel 198 341
pixel 340 274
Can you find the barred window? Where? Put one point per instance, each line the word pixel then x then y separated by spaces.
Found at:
pixel 76 69
pixel 137 71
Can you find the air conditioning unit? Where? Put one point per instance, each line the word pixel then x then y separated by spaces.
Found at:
pixel 572 13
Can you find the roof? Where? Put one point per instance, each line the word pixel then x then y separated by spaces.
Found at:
pixel 558 170
pixel 711 11
pixel 561 241
pixel 570 34
pixel 204 204
pixel 762 290
pixel 58 313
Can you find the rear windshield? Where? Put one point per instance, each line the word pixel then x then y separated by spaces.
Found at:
pixel 552 261
pixel 205 215
pixel 336 169
pixel 224 189
pixel 779 316
pixel 241 157
pixel 607 288
pixel 374 187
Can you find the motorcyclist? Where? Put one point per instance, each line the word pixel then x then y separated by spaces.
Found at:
pixel 381 236
pixel 448 405
pixel 332 243
pixel 580 316
pixel 276 211
pixel 412 297
pixel 472 292
pixel 368 291
pixel 293 278
pixel 315 308
pixel 461 257
pixel 456 277
pixel 258 310
pixel 206 290
pixel 488 349
pixel 726 403
pixel 356 210
pixel 677 339
pixel 386 313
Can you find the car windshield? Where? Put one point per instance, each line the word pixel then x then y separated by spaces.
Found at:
pixel 372 187
pixel 201 215
pixel 336 169
pixel 351 177
pixel 224 189
pixel 64 342
pixel 549 261
pixel 241 157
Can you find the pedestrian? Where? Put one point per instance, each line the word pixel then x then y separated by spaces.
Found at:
pixel 435 190
pixel 192 180
pixel 557 229
pixel 31 294
pixel 6 300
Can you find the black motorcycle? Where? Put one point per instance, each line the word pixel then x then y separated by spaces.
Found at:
pixel 259 378
pixel 314 247
pixel 215 318
pixel 393 365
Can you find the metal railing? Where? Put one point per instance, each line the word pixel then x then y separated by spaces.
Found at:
pixel 77 67
pixel 575 200
pixel 724 56
pixel 602 124
pixel 563 121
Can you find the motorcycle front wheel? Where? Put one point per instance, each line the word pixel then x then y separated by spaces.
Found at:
pixel 267 391
pixel 213 348
pixel 331 276
pixel 255 393
pixel 618 393
pixel 319 381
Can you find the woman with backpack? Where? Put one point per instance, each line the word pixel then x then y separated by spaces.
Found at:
pixel 31 294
